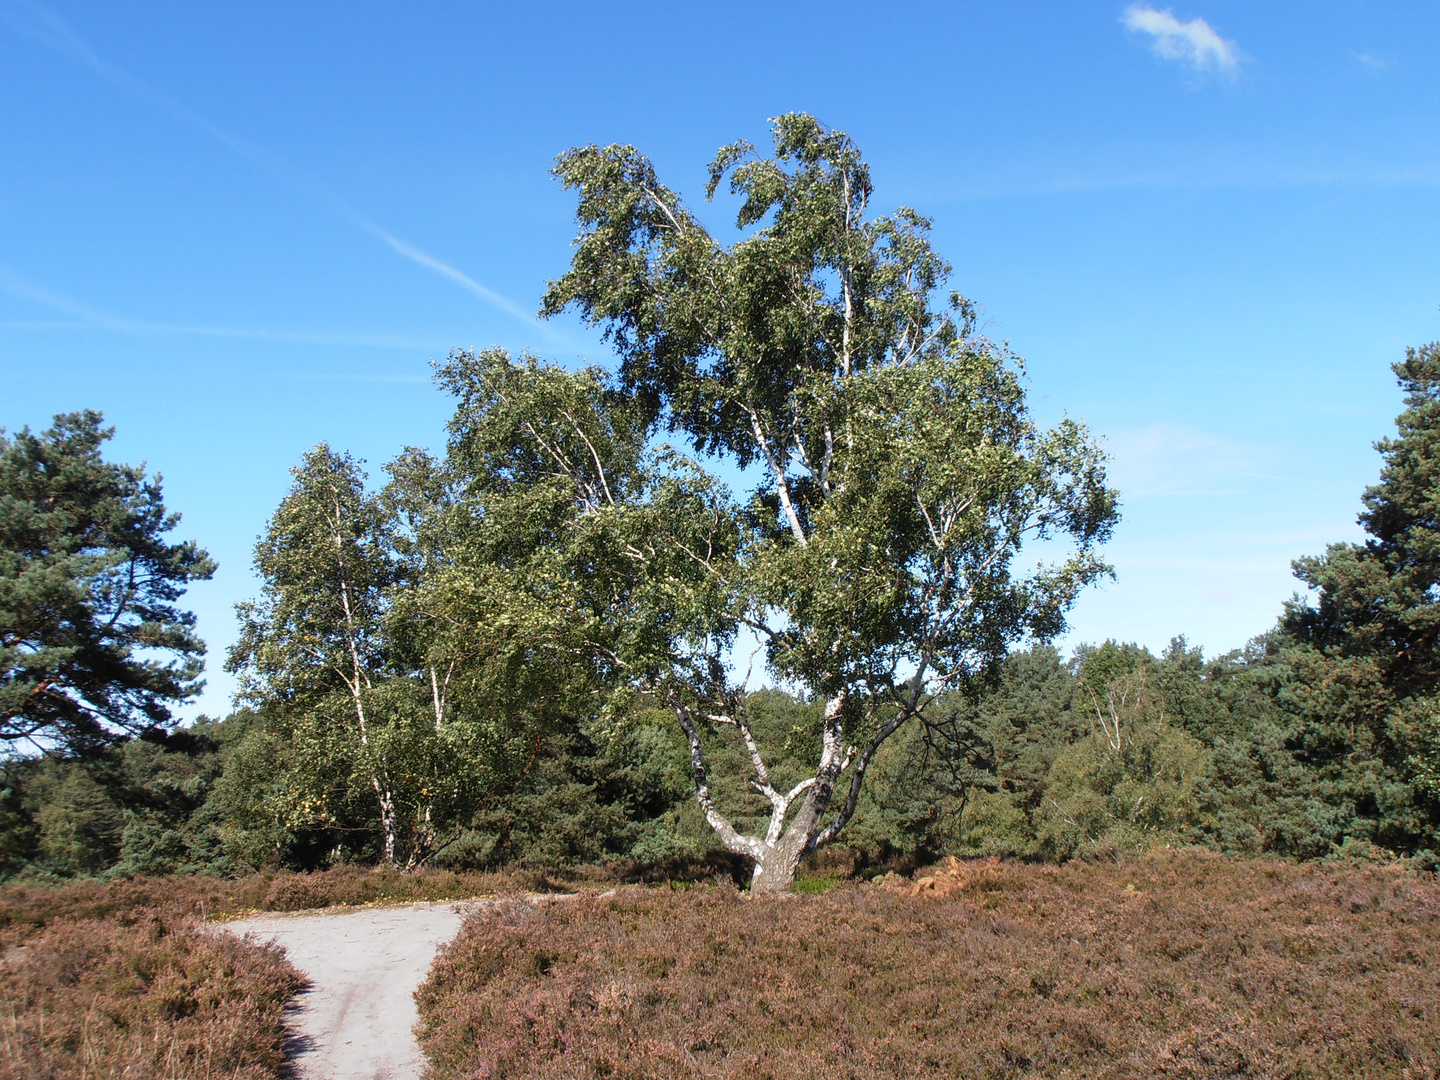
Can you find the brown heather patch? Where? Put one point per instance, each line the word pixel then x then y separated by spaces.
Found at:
pixel 152 997
pixel 24 909
pixel 1182 964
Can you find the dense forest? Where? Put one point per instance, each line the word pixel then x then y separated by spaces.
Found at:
pixel 519 651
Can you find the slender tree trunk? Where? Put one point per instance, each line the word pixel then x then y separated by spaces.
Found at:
pixel 387 818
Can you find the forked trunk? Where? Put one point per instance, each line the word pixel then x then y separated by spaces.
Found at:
pixel 778 853
pixel 775 869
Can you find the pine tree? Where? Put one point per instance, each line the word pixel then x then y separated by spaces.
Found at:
pixel 1365 671
pixel 88 586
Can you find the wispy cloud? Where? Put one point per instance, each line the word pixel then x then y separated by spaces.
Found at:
pixel 1371 62
pixel 415 255
pixel 1173 459
pixel 88 317
pixel 1194 43
pixel 35 21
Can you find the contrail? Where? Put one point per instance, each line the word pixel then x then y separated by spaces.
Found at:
pixel 35 21
pixel 88 316
pixel 465 281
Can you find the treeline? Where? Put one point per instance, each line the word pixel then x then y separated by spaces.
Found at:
pixel 521 649
pixel 1114 750
pixel 407 698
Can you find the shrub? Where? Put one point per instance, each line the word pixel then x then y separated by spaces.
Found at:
pixel 154 997
pixel 1180 964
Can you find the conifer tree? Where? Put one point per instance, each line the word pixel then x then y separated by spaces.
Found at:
pixel 88 585
pixel 1369 663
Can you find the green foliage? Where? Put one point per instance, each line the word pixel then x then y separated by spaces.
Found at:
pixel 898 456
pixel 88 586
pixel 465 664
pixel 1363 662
pixel 1060 759
pixel 1133 793
pixel 482 661
pixel 1321 739
pixel 143 807
pixel 407 705
pixel 900 470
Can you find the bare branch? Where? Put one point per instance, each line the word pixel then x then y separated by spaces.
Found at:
pixel 594 455
pixel 733 840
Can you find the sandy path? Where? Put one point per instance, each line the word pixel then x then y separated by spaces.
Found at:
pixel 355 1021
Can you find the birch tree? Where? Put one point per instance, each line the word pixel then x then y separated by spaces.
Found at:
pixel 312 646
pixel 900 472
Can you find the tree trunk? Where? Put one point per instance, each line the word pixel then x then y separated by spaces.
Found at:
pixel 775 869
pixel 387 819
pixel 778 853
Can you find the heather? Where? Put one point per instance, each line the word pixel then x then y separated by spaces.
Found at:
pixel 142 995
pixel 1179 964
pixel 26 909
pixel 120 979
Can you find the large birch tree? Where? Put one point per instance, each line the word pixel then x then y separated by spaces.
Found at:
pixel 900 472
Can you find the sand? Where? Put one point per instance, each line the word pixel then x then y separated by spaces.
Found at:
pixel 356 1020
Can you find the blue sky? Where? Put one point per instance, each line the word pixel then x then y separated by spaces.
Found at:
pixel 239 230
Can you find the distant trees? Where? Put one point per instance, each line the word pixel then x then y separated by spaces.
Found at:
pixel 93 647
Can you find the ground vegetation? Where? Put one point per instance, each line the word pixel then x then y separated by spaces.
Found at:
pixel 1178 964
pixel 142 996
pixel 130 978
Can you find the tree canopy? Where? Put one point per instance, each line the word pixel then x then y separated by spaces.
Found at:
pixel 901 472
pixel 543 645
pixel 93 646
pixel 1366 656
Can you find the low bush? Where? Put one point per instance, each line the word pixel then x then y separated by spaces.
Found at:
pixel 1180 964
pixel 146 997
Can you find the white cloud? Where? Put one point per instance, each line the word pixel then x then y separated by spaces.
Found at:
pixel 1370 61
pixel 1195 42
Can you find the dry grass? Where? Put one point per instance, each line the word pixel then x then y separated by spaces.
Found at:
pixel 1180 965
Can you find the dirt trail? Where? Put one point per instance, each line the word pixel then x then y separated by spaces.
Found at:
pixel 355 1021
